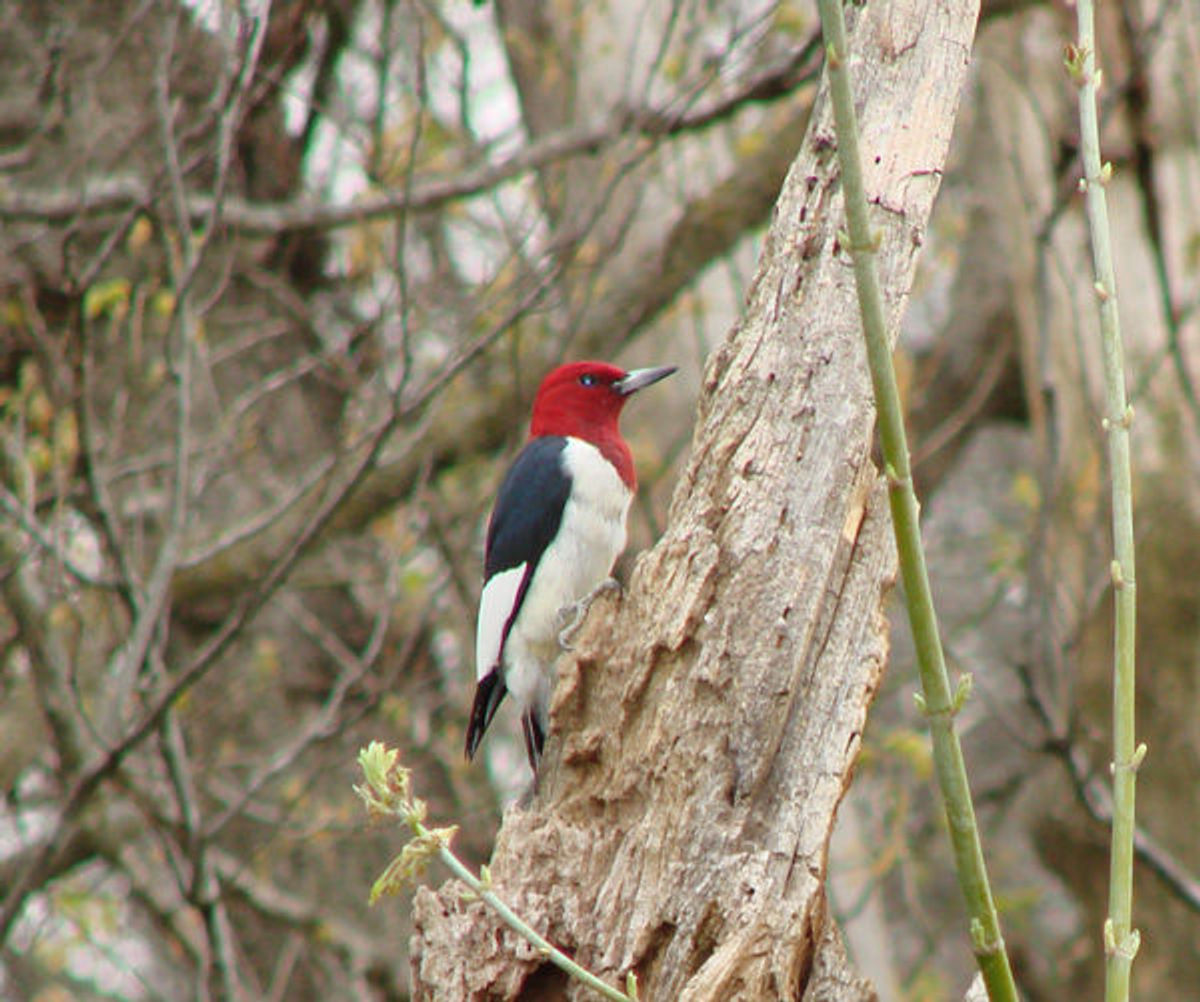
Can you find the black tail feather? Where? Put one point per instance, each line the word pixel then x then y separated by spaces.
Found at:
pixel 535 738
pixel 488 695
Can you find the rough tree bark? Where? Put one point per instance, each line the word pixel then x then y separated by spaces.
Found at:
pixel 705 727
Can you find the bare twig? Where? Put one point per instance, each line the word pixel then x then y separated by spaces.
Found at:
pixel 344 480
pixel 105 197
pixel 352 669
pixel 1096 796
pixel 149 604
pixel 1145 163
pixel 33 529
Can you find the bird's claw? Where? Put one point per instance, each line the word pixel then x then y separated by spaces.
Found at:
pixel 572 616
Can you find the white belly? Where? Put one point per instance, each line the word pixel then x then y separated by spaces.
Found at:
pixel 589 540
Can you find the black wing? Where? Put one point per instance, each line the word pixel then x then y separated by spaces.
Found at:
pixel 529 507
pixel 525 520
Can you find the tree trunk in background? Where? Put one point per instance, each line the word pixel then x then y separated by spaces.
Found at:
pixel 706 726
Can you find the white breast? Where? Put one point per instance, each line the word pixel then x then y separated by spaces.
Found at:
pixel 589 540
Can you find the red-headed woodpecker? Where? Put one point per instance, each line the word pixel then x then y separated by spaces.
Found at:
pixel 556 530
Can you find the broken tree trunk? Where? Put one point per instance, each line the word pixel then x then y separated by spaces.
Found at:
pixel 706 725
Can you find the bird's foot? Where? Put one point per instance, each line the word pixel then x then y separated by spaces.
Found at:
pixel 571 617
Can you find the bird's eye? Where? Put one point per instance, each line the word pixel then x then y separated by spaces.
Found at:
pixel 587 379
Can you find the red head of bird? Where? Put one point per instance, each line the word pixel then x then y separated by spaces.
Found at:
pixel 584 400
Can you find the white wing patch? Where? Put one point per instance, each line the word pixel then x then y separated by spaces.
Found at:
pixel 495 608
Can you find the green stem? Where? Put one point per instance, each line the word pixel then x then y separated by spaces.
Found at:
pixel 939 703
pixel 1120 938
pixel 387 791
pixel 519 926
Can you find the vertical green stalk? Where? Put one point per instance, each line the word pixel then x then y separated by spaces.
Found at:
pixel 1120 938
pixel 939 703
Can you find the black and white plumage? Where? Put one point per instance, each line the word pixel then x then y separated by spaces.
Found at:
pixel 556 530
pixel 548 547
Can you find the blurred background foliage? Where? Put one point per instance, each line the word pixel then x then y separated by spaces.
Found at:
pixel 277 282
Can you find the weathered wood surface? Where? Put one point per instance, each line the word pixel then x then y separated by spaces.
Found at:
pixel 706 725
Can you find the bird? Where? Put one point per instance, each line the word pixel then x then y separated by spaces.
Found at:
pixel 555 531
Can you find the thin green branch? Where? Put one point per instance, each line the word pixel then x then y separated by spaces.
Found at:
pixel 388 792
pixel 939 703
pixel 1120 938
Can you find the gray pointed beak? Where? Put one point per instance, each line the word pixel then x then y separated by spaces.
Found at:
pixel 639 379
